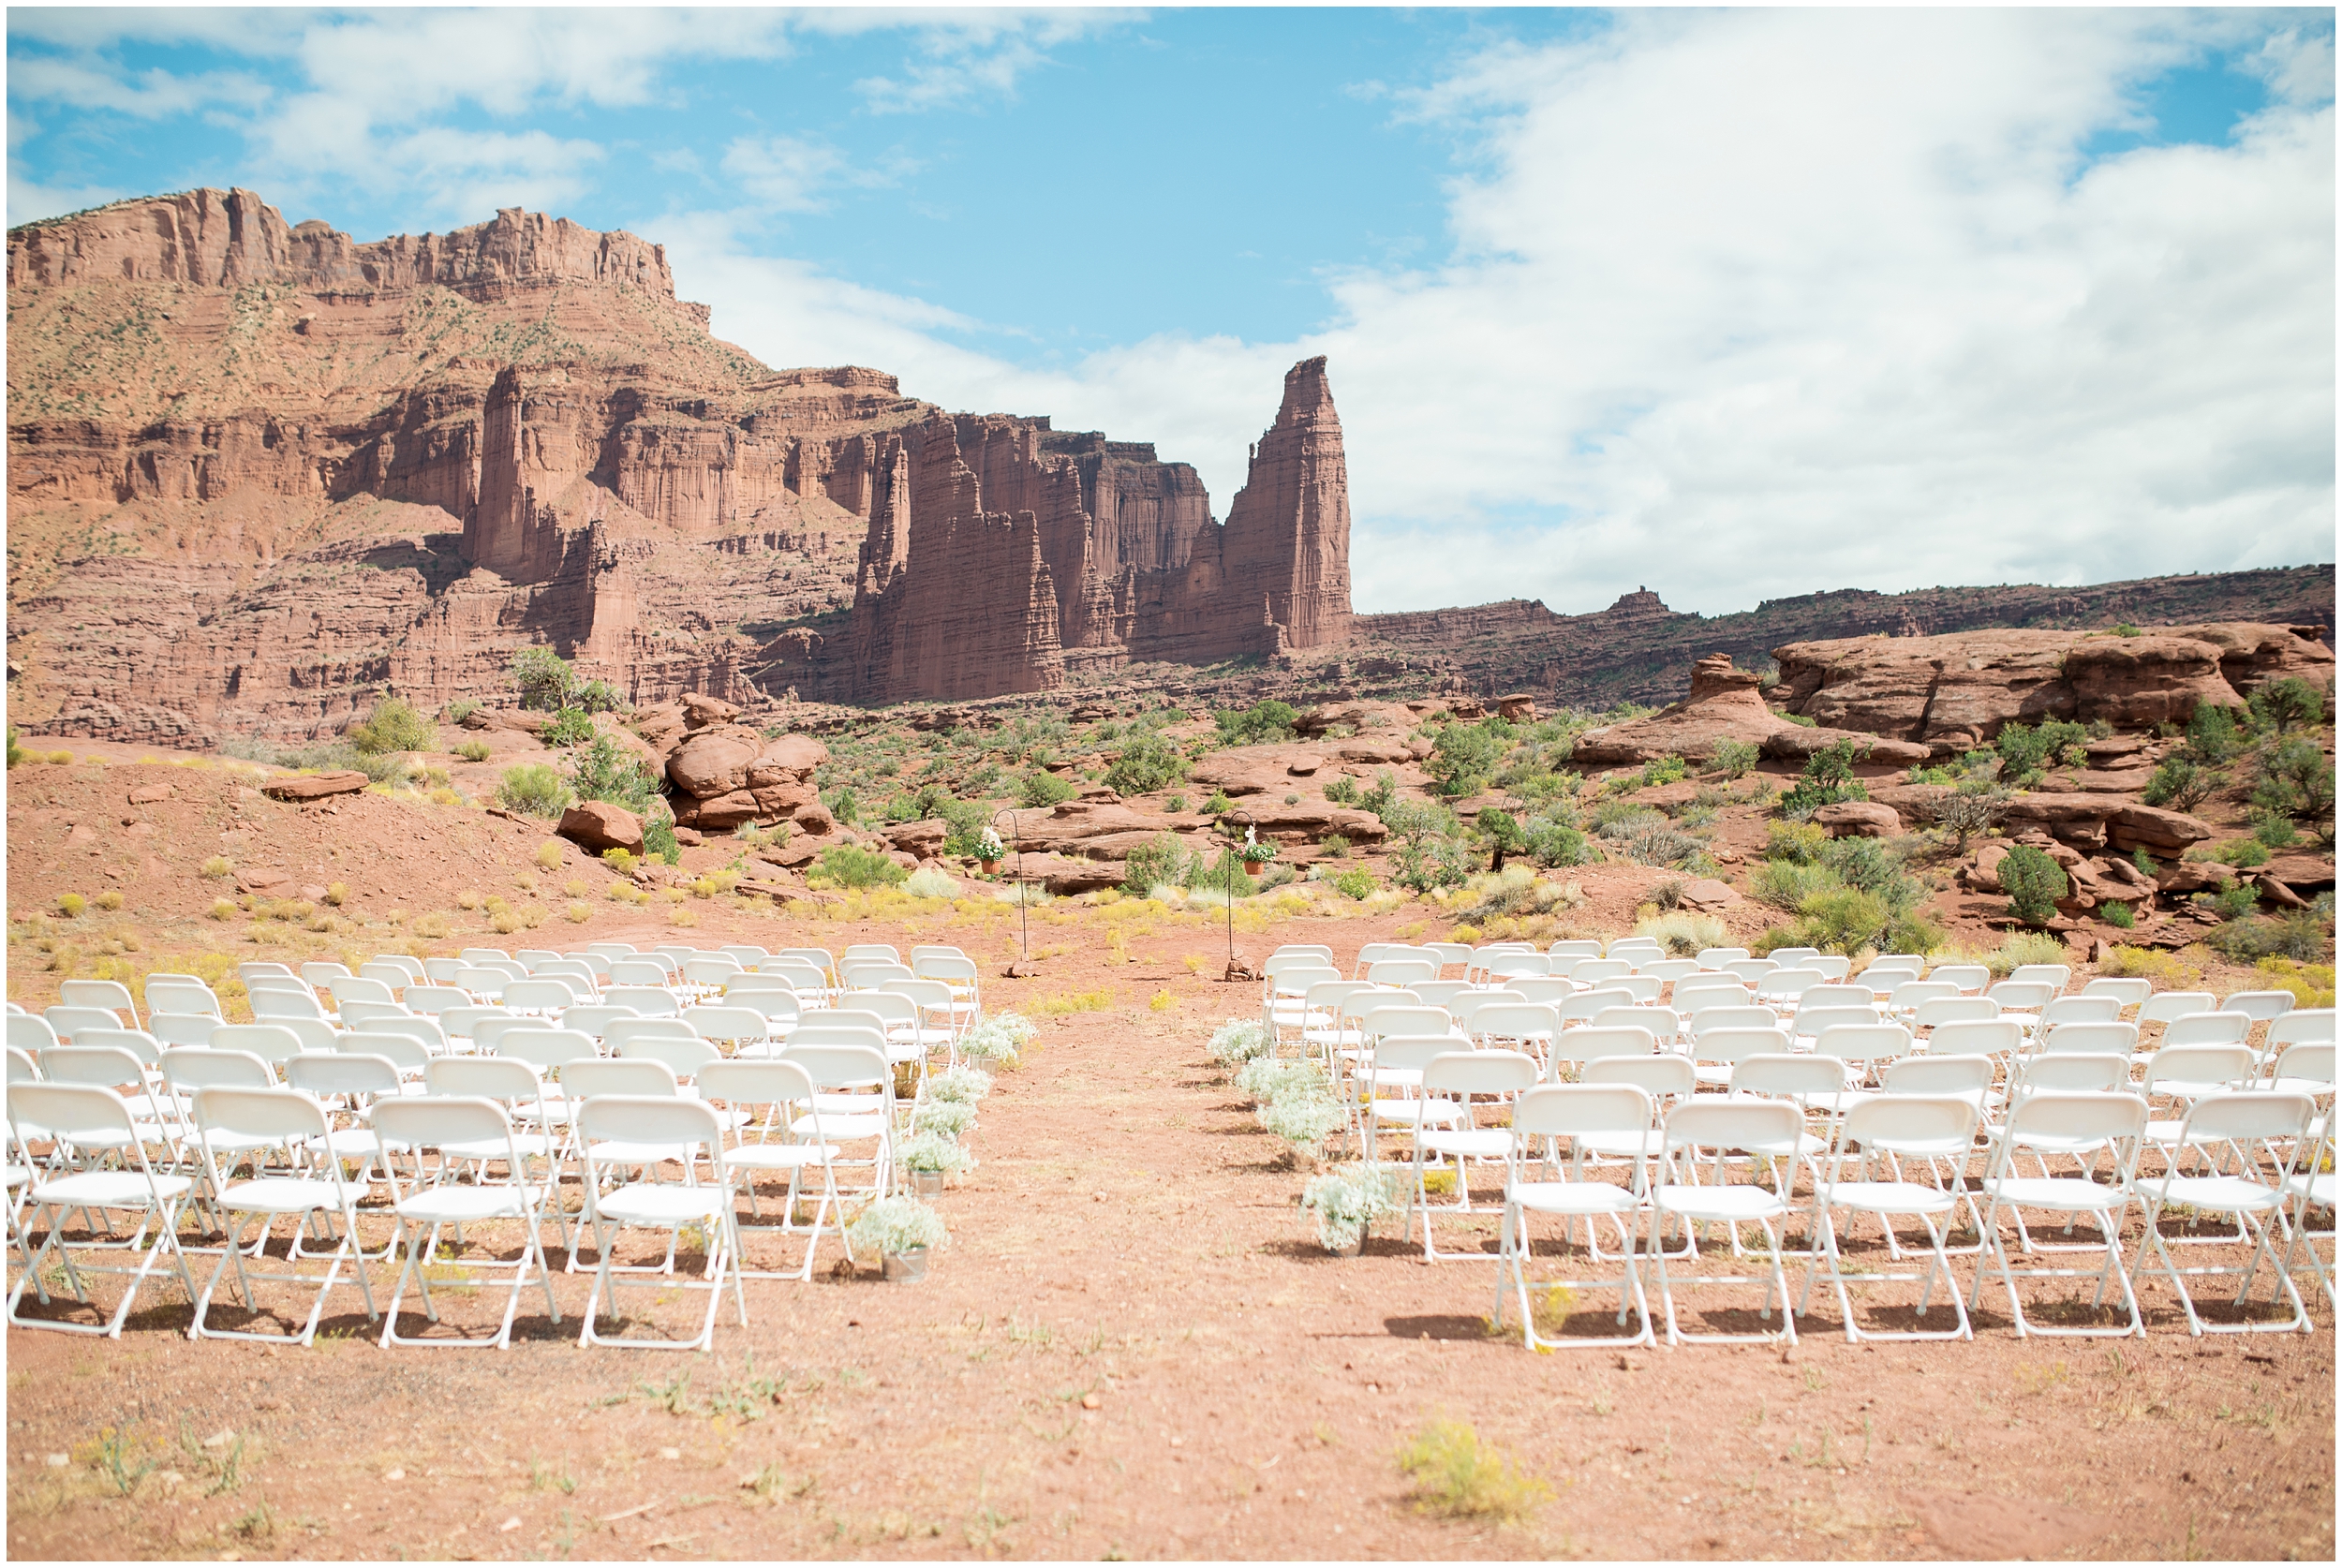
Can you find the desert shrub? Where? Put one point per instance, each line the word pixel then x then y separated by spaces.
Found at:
pixel 1829 778
pixel 1380 799
pixel 2167 970
pixel 2233 902
pixel 2027 750
pixel 621 861
pixel 550 853
pixel 393 726
pixel 2180 784
pixel 1659 846
pixel 1786 884
pixel 110 899
pixel 217 866
pixel 2216 735
pixel 535 789
pixel 1352 884
pixel 2294 778
pixel 222 908
pixel 473 751
pixel 71 905
pixel 1463 756
pixel 1161 859
pixel 1734 758
pixel 2275 830
pixel 1268 721
pixel 1456 1475
pixel 658 837
pixel 595 697
pixel 2299 935
pixel 1969 813
pixel 2236 851
pixel 1038 788
pixel 2118 914
pixel 928 882
pixel 1335 846
pixel 2290 703
pixel 1683 932
pixel 544 678
pixel 1552 843
pixel 2034 882
pixel 2311 984
pixel 1342 791
pixel 1149 763
pixel 851 866
pixel 16 752
pixel 1225 874
pixel 570 726
pixel 606 771
pixel 964 821
pixel 1665 770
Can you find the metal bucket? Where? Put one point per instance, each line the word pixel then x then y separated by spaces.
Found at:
pixel 906 1268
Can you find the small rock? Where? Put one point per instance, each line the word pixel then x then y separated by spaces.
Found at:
pixel 58 1461
pixel 1091 1401
pixel 393 1475
pixel 1097 1197
pixel 671 1453
pixel 220 1439
pixel 510 1524
pixel 147 795
pixel 315 786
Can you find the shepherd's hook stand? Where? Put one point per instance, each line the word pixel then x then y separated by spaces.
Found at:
pixel 1024 921
pixel 1238 863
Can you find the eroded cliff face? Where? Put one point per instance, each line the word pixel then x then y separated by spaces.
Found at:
pixel 260 473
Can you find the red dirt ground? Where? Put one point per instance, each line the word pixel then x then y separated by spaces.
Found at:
pixel 1130 1237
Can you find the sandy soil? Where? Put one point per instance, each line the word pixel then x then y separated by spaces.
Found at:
pixel 1133 1346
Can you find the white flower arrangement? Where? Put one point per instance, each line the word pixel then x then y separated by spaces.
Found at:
pixel 892 1226
pixel 1345 1200
pixel 989 845
pixel 1240 1041
pixel 934 1154
pixel 961 1084
pixel 1266 1078
pixel 1252 852
pixel 1304 1119
pixel 949 1118
pixel 999 1040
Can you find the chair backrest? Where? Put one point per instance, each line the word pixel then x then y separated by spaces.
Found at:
pixel 1505 966
pixel 871 950
pixel 260 969
pixel 2196 1065
pixel 620 1032
pixel 1970 1075
pixel 1749 1017
pixel 592 1020
pixel 480 954
pixel 1513 1020
pixel 509 1079
pixel 195 1067
pixel 137 1041
pixel 727 1023
pixel 2103 1072
pixel 608 1076
pixel 488 1033
pixel 359 987
pixel 1716 957
pixel 2310 1063
pixel 2080 1009
pixel 896 1010
pixel 2252 1117
pixel 1796 1077
pixel 1976 1037
pixel 2303 1026
pixel 1792 954
pixel 1405 1018
pixel 1593 971
pixel 1445 993
pixel 182 1028
pixel 1882 982
pixel 107 1066
pixel 28 1033
pixel 547 1050
pixel 1753 971
pixel 1910 994
pixel 1968 977
pixel 424 1032
pixel 1285 959
pixel 1740 1042
pixel 1662 1076
pixel 711 968
pixel 1831 966
pixel 1789 985
pixel 956 968
pixel 2207 1029
pixel 2055 976
pixel 1863 1042
pixel 269 1004
pixel 69 1021
pixel 818 956
pixel 647 1001
pixel 1749 1126
pixel 1662 1021
pixel 1480 1072
pixel 637 971
pixel 1955 1010
pixel 757 1082
pixel 74 1113
pixel 1575 947
pixel 746 953
pixel 2164 1006
pixel 110 995
pixel 1541 988
pixel 1920 1125
pixel 529 958
pixel 1604 1040
pixel 356 1013
pixel 1298 976
pixel 824 1029
pixel 1581 1007
pixel 858 974
pixel 651 1118
pixel 267 1042
pixel 2099 1036
pixel 442 971
pixel 1813 1020
pixel 1836 996
pixel 2128 990
pixel 451 1118
pixel 2064 1117
pixel 191 997
pixel 321 972
pixel 402 1051
pixel 1667 971
pixel 1401 971
pixel 342 1072
pixel 573 968
pixel 483 982
pixel 686 1056
pixel 550 993
pixel 410 968
pixel 1690 996
pixel 1410 1052
pixel 21 1068
pixel 2259 1006
pixel 1451 955
pixel 611 949
pixel 433 1001
pixel 841 1066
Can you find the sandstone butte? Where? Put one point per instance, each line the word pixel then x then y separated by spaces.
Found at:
pixel 261 473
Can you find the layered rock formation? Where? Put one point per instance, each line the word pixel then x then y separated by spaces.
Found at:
pixel 260 473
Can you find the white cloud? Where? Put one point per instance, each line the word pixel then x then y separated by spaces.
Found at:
pixel 1751 303
pixel 793 174
pixel 968 56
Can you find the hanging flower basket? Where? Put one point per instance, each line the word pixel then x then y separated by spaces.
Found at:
pixel 1253 853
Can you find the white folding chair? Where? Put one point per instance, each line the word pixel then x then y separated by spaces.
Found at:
pixel 2076 1125
pixel 2080 1009
pixel 769 1144
pixel 1717 1053
pixel 650 1203
pixel 1876 1134
pixel 2055 976
pixel 487 1034
pixel 744 1028
pixel 646 1001
pixel 348 988
pixel 540 996
pixel 2259 1006
pixel 1771 1130
pixel 2208 1029
pixel 1934 1014
pixel 450 1124
pixel 76 1118
pixel 2164 1006
pixel 67 1021
pixel 289 1119
pixel 109 995
pixel 1454 1077
pixel 2126 991
pixel 2303 1026
pixel 190 998
pixel 1578 1113
pixel 2279 1125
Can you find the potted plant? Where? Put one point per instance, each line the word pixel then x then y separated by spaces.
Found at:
pixel 1253 853
pixel 929 1156
pixel 999 1040
pixel 902 1231
pixel 989 851
pixel 947 1118
pixel 962 1085
pixel 1347 1199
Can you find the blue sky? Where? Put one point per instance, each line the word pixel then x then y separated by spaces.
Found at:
pixel 1593 284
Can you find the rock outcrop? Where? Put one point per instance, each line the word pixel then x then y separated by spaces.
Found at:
pixel 1724 705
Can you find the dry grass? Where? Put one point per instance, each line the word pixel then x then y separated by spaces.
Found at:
pixel 1457 1475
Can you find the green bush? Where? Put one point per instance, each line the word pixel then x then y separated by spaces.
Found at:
pixel 1665 770
pixel 1149 763
pixel 474 750
pixel 1218 805
pixel 2275 830
pixel 1378 800
pixel 2178 783
pixel 1464 755
pixel 659 837
pixel 1552 843
pixel 393 726
pixel 2215 735
pixel 1037 789
pixel 2118 914
pixel 1786 884
pixel 2285 704
pixel 1829 778
pixel 2299 936
pixel 964 822
pixel 1734 758
pixel 2034 882
pixel 841 805
pixel 459 710
pixel 16 752
pixel 1352 884
pixel 570 726
pixel 607 771
pixel 544 677
pixel 1268 720
pixel 535 789
pixel 851 866
pixel 2295 780
pixel 595 697
pixel 2027 750
pixel 2237 852
pixel 1225 875
pixel 1501 832
pixel 1158 862
pixel 1342 791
